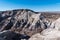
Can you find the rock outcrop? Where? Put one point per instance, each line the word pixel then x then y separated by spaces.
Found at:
pixel 51 33
pixel 56 24
pixel 48 34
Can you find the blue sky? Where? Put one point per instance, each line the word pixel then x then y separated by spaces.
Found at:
pixel 36 5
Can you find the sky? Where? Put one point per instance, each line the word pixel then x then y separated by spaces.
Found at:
pixel 36 5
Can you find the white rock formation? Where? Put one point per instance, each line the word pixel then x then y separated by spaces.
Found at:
pixel 47 35
pixel 56 24
pixel 52 33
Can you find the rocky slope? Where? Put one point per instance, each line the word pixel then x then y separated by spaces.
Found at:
pixel 22 21
pixel 51 33
pixel 26 22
